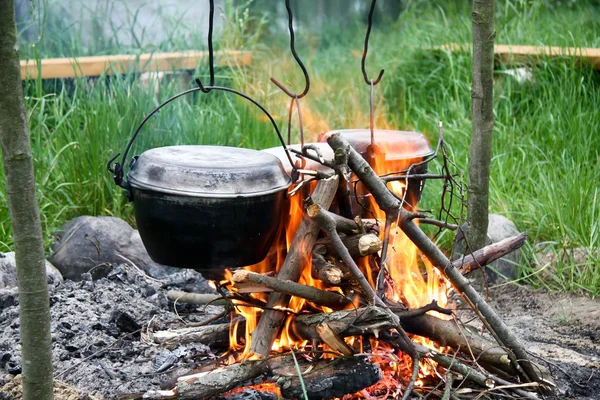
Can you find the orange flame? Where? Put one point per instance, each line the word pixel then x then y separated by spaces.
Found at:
pixel 414 282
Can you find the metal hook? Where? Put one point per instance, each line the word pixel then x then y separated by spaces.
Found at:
pixel 296 57
pixel 366 49
pixel 372 113
pixel 211 64
pixel 300 127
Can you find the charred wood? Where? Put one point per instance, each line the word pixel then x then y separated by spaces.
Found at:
pixel 326 379
pixel 323 379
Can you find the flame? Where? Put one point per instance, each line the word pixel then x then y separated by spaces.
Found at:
pixel 410 284
pixel 413 280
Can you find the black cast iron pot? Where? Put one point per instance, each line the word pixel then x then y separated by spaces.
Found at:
pixel 207 207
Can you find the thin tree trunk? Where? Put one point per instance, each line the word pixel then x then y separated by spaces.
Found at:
pixel 482 94
pixel 34 311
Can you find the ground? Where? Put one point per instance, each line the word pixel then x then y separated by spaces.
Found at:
pixel 97 346
pixel 562 328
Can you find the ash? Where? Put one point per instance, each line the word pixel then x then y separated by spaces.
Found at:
pixel 96 342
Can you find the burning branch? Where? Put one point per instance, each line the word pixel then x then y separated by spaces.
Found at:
pixel 300 250
pixel 312 294
pixel 393 209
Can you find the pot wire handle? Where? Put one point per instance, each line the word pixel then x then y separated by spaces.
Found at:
pixel 117 168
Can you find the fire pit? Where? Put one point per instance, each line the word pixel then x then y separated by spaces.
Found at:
pixel 341 291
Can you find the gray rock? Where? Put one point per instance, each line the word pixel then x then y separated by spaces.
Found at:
pixel 499 228
pixel 8 271
pixel 94 244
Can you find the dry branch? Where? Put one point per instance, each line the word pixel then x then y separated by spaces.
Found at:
pixel 392 207
pixel 199 299
pixel 208 334
pixel 312 294
pixel 490 253
pixel 300 250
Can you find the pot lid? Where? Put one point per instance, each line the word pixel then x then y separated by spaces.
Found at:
pixel 324 148
pixel 208 171
pixel 397 145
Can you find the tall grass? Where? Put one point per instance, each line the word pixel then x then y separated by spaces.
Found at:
pixel 546 161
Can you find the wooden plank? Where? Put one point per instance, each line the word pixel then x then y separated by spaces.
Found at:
pixel 52 68
pixel 519 54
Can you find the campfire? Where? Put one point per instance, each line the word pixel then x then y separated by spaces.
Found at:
pixel 351 299
pixel 355 307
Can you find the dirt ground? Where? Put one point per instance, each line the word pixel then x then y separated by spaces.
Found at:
pixel 560 328
pixel 98 349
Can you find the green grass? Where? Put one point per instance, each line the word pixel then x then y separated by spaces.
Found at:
pixel 546 164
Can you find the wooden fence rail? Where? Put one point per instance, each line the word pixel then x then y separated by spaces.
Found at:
pixel 56 68
pixel 527 55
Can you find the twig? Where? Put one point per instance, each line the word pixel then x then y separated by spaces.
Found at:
pixel 448 390
pixel 435 222
pixel 415 312
pixel 413 378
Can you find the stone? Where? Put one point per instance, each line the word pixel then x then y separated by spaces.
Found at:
pixel 8 271
pixel 505 268
pixel 95 245
pixel 551 256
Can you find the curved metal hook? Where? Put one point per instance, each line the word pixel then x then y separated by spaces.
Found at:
pixel 296 57
pixel 366 49
pixel 211 64
pixel 300 125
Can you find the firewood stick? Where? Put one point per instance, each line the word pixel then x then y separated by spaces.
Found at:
pixel 312 294
pixel 333 340
pixel 299 255
pixel 391 206
pixel 324 270
pixel 360 245
pixel 200 299
pixel 373 320
pixel 327 224
pixel 200 334
pixel 322 379
pixel 489 253
pixel 470 373
pixel 207 384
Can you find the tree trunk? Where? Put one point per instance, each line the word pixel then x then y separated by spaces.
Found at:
pixel 34 311
pixel 482 94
